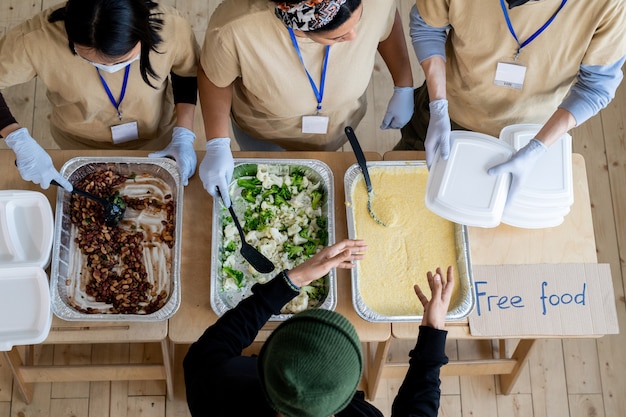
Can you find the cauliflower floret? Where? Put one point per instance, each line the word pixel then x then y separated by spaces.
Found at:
pixel 299 240
pixel 252 237
pixel 229 284
pixel 293 230
pixel 230 261
pixel 312 213
pixel 301 200
pixel 298 304
pixel 277 236
pixel 230 231
pixel 268 248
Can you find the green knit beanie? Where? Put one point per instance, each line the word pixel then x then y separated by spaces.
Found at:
pixel 311 365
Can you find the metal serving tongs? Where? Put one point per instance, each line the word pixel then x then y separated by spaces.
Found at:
pixel 249 252
pixel 360 157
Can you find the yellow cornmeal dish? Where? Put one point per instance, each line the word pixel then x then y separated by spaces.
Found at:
pixel 414 242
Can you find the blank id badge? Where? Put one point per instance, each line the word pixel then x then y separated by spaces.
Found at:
pixel 315 124
pixel 510 74
pixel 125 132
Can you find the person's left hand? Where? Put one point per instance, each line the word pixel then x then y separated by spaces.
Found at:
pixel 520 166
pixel 181 149
pixel 436 308
pixel 339 255
pixel 399 109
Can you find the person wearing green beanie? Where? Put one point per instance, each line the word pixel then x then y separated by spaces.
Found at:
pixel 311 364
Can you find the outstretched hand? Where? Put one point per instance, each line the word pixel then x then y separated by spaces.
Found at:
pixel 436 308
pixel 339 255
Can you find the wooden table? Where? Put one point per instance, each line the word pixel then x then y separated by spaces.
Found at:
pixel 195 313
pixel 571 242
pixel 65 332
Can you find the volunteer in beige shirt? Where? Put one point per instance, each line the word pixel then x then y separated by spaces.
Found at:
pixel 120 74
pixel 493 63
pixel 292 75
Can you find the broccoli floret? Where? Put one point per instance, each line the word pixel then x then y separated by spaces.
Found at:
pixel 284 192
pixel 278 200
pixel 322 222
pixel 310 248
pixel 322 236
pixel 231 247
pixel 316 290
pixel 293 251
pixel 296 178
pixel 249 183
pixel 249 195
pixel 271 191
pixel 316 199
pixel 265 216
pixel 236 275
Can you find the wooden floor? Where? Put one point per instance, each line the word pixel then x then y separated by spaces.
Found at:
pixel 564 378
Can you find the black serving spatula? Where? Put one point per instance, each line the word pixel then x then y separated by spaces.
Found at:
pixel 249 252
pixel 114 206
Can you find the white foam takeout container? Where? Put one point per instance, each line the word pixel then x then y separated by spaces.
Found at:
pixel 26 231
pixel 459 189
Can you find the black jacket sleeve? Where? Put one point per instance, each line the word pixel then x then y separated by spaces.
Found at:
pixel 6 118
pixel 185 89
pixel 419 393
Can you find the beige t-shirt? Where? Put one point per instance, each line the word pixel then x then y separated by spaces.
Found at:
pixel 248 46
pixel 82 113
pixel 583 32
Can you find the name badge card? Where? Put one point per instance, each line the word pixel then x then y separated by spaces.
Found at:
pixel 509 74
pixel 125 132
pixel 315 124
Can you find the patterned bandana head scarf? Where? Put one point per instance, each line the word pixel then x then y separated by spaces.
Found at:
pixel 308 15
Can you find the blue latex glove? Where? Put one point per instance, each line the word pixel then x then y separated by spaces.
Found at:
pixel 216 169
pixel 438 134
pixel 33 161
pixel 520 166
pixel 181 149
pixel 399 109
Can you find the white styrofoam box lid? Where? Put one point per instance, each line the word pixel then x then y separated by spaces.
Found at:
pixel 551 181
pixel 528 217
pixel 26 228
pixel 25 314
pixel 460 189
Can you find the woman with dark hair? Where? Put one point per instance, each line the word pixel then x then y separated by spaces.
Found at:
pixel 291 75
pixel 84 52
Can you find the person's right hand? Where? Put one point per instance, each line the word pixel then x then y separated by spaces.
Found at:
pixel 438 133
pixel 216 169
pixel 436 308
pixel 339 255
pixel 33 162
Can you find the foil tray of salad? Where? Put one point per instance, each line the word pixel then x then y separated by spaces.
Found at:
pixel 286 208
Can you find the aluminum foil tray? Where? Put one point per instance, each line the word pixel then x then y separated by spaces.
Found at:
pixel 223 300
pixel 65 253
pixel 461 306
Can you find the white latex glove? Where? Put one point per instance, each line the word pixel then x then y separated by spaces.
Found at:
pixel 438 134
pixel 520 166
pixel 216 168
pixel 33 161
pixel 181 149
pixel 399 109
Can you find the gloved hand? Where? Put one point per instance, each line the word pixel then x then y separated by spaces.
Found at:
pixel 181 149
pixel 520 166
pixel 33 161
pixel 216 169
pixel 399 109
pixel 438 134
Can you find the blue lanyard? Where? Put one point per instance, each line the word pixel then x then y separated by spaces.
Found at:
pixel 319 94
pixel 116 104
pixel 534 35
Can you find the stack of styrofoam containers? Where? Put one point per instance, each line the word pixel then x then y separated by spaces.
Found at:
pixel 460 190
pixel 26 231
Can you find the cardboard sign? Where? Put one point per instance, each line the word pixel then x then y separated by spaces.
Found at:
pixel 543 300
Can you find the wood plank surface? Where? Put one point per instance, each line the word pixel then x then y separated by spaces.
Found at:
pixel 560 378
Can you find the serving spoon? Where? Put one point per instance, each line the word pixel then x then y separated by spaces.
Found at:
pixel 249 252
pixel 360 158
pixel 114 206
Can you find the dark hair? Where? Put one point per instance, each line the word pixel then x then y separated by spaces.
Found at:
pixel 345 12
pixel 113 27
